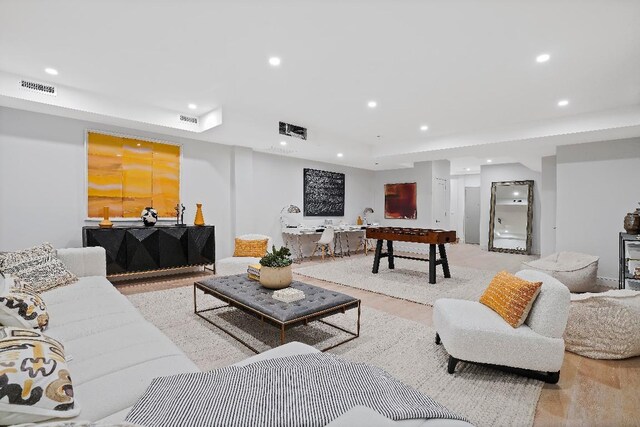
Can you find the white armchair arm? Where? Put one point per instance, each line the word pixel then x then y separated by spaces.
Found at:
pixel 85 261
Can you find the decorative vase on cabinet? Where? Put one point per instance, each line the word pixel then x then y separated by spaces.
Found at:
pixel 106 222
pixel 632 223
pixel 199 220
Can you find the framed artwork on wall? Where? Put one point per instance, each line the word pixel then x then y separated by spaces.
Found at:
pixel 323 193
pixel 128 174
pixel 400 201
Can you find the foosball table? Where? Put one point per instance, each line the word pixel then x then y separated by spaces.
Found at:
pixel 434 238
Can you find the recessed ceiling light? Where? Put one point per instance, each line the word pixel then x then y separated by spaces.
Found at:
pixel 515 193
pixel 372 104
pixel 489 160
pixel 468 169
pixel 192 106
pixel 424 127
pixel 563 103
pixel 51 71
pixel 340 154
pixel 283 142
pixel 506 231
pixel 544 57
pixel 138 144
pixel 274 61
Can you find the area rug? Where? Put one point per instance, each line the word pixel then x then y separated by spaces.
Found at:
pixel 403 348
pixel 409 280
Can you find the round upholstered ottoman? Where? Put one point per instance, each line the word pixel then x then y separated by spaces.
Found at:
pixel 604 325
pixel 576 271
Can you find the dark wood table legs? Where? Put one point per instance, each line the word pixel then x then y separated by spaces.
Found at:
pixel 433 261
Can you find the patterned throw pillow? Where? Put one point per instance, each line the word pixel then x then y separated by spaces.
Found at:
pixel 251 248
pixel 38 267
pixel 511 297
pixel 35 384
pixel 23 308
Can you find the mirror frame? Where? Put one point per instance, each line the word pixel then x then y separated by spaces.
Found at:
pixel 494 186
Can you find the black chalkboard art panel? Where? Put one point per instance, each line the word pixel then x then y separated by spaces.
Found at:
pixel 323 193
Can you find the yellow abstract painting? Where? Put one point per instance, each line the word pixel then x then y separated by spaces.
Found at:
pixel 128 174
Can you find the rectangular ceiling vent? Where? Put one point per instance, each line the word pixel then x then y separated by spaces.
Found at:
pixel 293 130
pixel 38 87
pixel 192 120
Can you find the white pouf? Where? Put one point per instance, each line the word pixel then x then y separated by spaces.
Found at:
pixel 576 271
pixel 604 325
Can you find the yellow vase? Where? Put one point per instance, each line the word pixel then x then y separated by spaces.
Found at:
pixel 359 220
pixel 199 218
pixel 105 223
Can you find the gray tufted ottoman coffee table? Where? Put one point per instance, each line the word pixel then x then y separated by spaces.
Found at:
pixel 249 296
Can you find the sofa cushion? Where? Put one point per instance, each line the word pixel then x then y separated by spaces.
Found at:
pixel 511 297
pixel 35 384
pixel 23 308
pixel 38 267
pixel 250 248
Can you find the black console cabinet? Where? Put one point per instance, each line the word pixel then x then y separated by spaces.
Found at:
pixel 136 249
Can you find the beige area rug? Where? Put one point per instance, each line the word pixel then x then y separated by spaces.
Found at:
pixel 409 280
pixel 403 348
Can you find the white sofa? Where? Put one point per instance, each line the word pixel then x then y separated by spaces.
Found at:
pixel 116 352
pixel 238 265
pixel 472 332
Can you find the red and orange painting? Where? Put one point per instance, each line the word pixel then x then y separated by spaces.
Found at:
pixel 400 201
pixel 128 174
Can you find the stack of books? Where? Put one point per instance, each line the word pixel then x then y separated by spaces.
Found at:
pixel 254 272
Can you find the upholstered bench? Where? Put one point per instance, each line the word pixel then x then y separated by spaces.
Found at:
pixel 576 271
pixel 604 325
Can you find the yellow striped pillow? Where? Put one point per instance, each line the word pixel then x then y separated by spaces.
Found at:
pixel 250 248
pixel 511 297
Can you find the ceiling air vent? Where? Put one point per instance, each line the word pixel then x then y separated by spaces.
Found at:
pixel 38 87
pixel 293 130
pixel 192 120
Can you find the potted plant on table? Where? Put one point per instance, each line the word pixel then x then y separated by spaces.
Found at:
pixel 275 272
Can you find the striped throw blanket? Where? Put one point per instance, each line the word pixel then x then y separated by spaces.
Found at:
pixel 302 390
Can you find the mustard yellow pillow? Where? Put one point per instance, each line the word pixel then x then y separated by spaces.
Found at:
pixel 250 248
pixel 511 297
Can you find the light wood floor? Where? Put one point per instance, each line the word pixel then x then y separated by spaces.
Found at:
pixel 589 393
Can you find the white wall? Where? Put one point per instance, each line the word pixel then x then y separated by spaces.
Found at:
pixel 42 184
pixel 548 206
pixel 42 180
pixel 423 174
pixel 597 185
pixel 508 172
pixel 458 184
pixel 278 182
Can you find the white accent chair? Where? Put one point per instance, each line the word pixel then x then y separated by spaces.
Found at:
pixel 325 242
pixel 576 271
pixel 238 265
pixel 472 332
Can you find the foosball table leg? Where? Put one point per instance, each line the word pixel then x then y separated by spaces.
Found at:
pixel 432 263
pixel 390 254
pixel 376 258
pixel 445 262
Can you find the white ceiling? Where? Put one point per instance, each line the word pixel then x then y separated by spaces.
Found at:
pixel 467 69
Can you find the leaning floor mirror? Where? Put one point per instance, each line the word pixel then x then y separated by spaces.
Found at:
pixel 511 217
